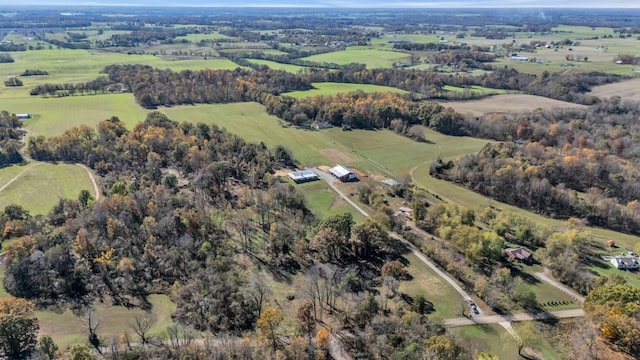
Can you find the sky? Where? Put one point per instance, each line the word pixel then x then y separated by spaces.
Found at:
pixel 345 3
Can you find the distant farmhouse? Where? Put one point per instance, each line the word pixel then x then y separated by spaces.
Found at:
pixel 625 262
pixel 343 173
pixel 303 176
pixel 24 116
pixel 519 58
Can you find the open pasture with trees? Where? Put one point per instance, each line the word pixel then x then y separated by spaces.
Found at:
pixel 198 225
pixel 39 186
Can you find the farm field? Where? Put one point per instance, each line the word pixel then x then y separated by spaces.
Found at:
pixel 324 202
pixel 367 150
pixel 627 90
pixel 474 89
pixel 39 186
pixel 507 103
pixel 294 69
pixel 52 116
pixel 331 88
pixel 371 57
pixel 81 65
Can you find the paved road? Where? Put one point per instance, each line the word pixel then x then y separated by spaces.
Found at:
pixel 494 319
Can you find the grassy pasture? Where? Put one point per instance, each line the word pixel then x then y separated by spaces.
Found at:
pixel 366 150
pixel 331 88
pixel 475 89
pixel 66 328
pixel 38 186
pixel 506 103
pixel 372 58
pixel 52 116
pixel 81 65
pixel 194 38
pixel 294 69
pixel 324 202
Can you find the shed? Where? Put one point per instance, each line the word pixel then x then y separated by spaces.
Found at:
pixel 343 173
pixel 303 176
pixel 611 243
pixel 23 116
pixel 519 58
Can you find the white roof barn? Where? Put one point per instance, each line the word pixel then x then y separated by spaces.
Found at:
pixel 343 173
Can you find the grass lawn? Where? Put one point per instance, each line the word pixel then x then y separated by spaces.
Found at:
pixel 39 186
pixel 372 58
pixel 331 88
pixel 324 202
pixel 426 282
pixel 195 38
pixel 52 116
pixel 494 339
pixel 66 328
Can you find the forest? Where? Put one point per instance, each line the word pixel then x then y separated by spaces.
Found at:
pixel 580 163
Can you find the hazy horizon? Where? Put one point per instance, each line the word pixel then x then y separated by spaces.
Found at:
pixel 345 4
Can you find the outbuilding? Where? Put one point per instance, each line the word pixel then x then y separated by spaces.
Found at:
pixel 23 116
pixel 343 173
pixel 303 176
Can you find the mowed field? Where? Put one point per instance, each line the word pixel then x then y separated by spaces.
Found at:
pixel 507 103
pixel 372 58
pixel 71 66
pixel 38 186
pixel 52 116
pixel 367 150
pixel 331 88
pixel 627 90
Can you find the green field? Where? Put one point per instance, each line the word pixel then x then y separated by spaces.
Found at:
pixel 3 291
pixel 372 58
pixel 66 327
pixel 194 38
pixel 331 88
pixel 324 202
pixel 52 116
pixel 294 69
pixel 366 150
pixel 474 89
pixel 38 186
pixel 82 65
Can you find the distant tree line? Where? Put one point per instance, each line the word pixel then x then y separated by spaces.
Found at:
pixel 6 58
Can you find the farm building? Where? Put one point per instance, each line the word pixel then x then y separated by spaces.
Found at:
pixel 518 253
pixel 519 58
pixel 625 262
pixel 342 173
pixel 303 176
pixel 23 116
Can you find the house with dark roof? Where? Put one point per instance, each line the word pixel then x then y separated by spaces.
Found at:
pixel 518 254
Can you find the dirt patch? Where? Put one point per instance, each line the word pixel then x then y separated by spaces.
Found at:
pixel 282 172
pixel 336 156
pixel 507 103
pixel 627 90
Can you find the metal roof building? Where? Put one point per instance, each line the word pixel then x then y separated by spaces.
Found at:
pixel 303 176
pixel 343 173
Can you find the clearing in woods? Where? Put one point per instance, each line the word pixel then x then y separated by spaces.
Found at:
pixel 507 103
pixel 627 90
